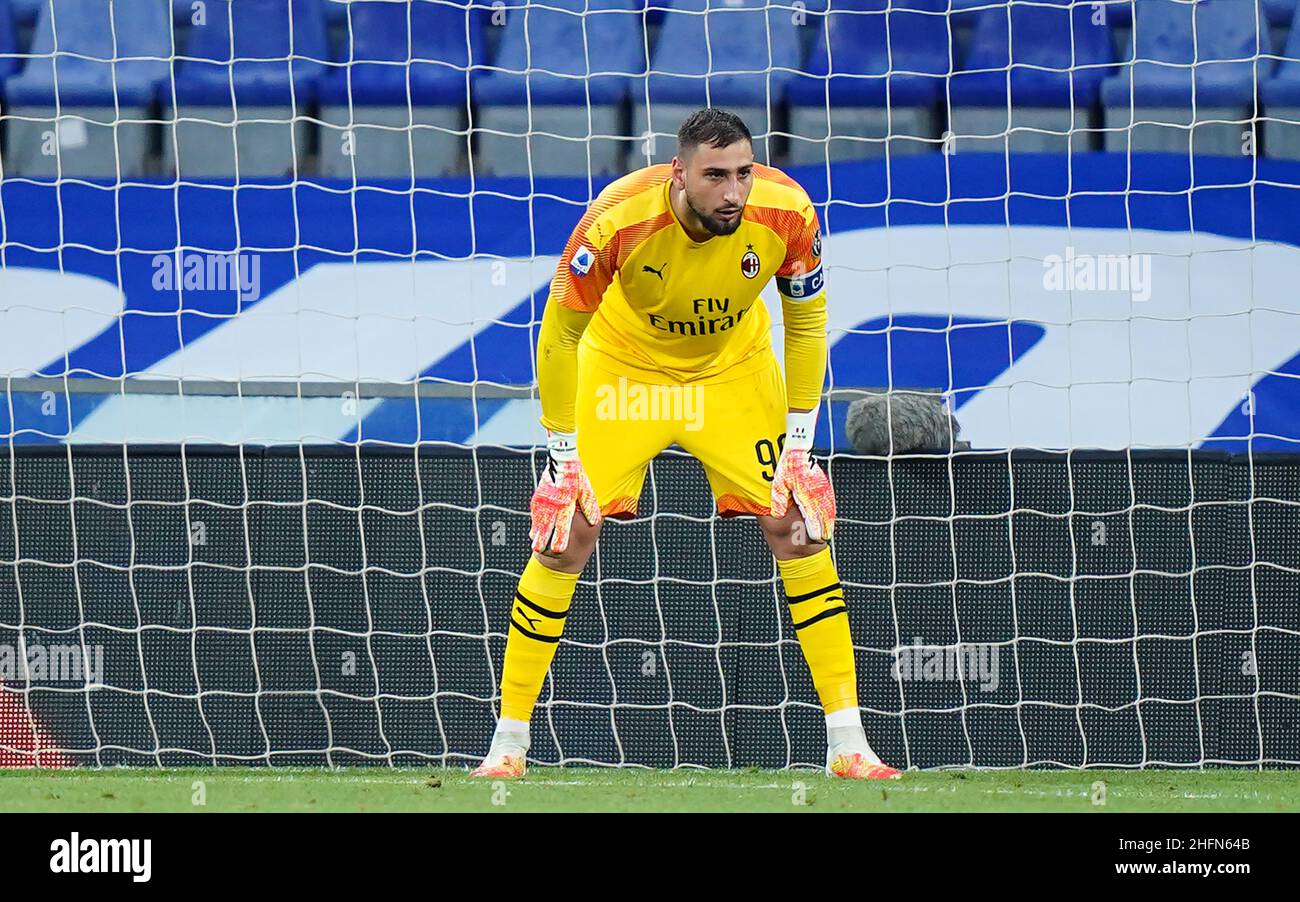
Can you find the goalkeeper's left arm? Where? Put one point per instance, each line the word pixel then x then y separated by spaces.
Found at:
pixel 805 352
pixel 581 277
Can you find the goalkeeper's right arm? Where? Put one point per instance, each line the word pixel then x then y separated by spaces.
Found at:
pixel 557 364
pixel 582 274
pixel 564 487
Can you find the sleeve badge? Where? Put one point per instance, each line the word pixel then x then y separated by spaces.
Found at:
pixel 580 265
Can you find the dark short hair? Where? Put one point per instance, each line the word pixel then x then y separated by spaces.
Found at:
pixel 711 126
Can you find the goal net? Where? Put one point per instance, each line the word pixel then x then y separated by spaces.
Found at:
pixel 271 274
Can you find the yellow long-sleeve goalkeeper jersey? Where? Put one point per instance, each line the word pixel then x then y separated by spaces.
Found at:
pixel 636 288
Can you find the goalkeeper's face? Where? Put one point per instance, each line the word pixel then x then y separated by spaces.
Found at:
pixel 716 184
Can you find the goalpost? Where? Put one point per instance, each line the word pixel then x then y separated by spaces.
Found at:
pixel 269 427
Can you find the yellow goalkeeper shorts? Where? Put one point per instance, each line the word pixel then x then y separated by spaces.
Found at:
pixel 733 424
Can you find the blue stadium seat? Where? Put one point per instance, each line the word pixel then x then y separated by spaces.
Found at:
pixel 1120 12
pixel 1199 41
pixel 1283 90
pixel 1195 76
pixel 26 11
pixel 574 38
pixel 571 65
pixel 336 12
pixel 8 42
pixel 259 96
pixel 875 75
pixel 1279 12
pixel 84 27
pixel 1057 58
pixel 723 36
pixel 437 34
pixel 401 100
pixel 264 73
pixel 111 61
pixel 735 54
pixel 1281 97
pixel 873 55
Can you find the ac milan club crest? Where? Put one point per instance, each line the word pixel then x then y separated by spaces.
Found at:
pixel 749 264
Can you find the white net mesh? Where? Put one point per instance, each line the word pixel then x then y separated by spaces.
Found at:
pixel 272 274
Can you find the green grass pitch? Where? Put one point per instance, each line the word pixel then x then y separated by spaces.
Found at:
pixel 608 789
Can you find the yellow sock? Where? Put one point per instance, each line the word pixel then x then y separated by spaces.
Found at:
pixel 821 621
pixel 536 622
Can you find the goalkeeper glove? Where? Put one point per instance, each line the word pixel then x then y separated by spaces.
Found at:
pixel 798 475
pixel 563 488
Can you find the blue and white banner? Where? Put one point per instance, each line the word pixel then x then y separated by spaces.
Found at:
pixel 1098 301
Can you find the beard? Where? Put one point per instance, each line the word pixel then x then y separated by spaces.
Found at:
pixel 714 225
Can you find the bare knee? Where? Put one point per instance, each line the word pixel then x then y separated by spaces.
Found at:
pixel 788 536
pixel 582 542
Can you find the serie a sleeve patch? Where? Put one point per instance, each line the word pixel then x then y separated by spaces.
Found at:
pixel 800 288
pixel 581 262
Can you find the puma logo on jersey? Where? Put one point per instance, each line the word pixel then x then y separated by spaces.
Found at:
pixel 532 621
pixel 658 272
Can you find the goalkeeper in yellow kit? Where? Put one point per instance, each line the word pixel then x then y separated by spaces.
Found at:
pixel 658 289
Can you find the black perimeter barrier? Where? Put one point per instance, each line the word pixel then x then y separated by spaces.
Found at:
pixel 312 606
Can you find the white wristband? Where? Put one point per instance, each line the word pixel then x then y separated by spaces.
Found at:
pixel 562 445
pixel 800 429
